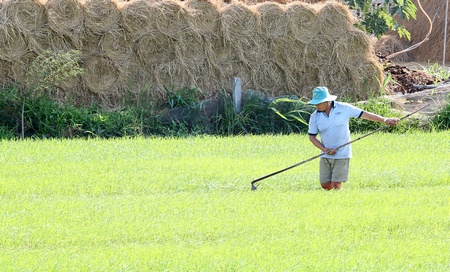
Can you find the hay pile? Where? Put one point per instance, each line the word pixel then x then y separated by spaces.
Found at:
pixel 66 18
pixel 128 45
pixel 101 16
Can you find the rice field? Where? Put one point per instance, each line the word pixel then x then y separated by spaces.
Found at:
pixel 185 204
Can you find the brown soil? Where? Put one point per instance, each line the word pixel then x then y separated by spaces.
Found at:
pixel 416 88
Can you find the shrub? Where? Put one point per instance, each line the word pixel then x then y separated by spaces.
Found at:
pixel 441 121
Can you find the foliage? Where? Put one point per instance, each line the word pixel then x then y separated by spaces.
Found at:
pixel 182 96
pixel 44 118
pixel 441 121
pixel 51 68
pixel 261 116
pixel 47 72
pixel 440 73
pixel 380 106
pixel 379 20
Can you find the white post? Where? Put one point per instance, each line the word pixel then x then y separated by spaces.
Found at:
pixel 237 94
pixel 445 33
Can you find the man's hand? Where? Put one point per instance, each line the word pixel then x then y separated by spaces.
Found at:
pixel 391 121
pixel 330 151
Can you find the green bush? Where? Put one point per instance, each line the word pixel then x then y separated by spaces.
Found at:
pixel 44 118
pixel 441 121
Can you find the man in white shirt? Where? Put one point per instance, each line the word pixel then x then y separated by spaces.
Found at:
pixel 331 121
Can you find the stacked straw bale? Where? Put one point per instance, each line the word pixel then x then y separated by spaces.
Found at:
pixel 66 18
pixel 275 47
pixel 101 16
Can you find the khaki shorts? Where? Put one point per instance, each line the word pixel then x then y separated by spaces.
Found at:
pixel 335 170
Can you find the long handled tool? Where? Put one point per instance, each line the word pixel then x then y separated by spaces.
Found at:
pixel 254 186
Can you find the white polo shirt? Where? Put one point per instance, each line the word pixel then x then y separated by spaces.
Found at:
pixel 334 129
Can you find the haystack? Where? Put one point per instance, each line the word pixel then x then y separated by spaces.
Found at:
pixel 101 16
pixel 251 50
pixel 269 77
pixel 285 56
pixel 139 17
pixel 101 75
pixel 171 75
pixel 117 45
pixel 66 18
pixel 54 41
pixel 353 46
pixel 203 15
pixel 5 67
pixel 90 42
pixel 335 19
pixel 172 18
pixel 155 50
pixel 13 44
pixel 238 20
pixel 18 68
pixel 389 44
pixel 27 15
pixel 274 48
pixel 272 19
pixel 190 47
pixel 302 21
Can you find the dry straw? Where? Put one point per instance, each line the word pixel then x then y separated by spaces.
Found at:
pixel 18 68
pixel 5 67
pixel 101 75
pixel 190 47
pixel 302 21
pixel 172 18
pixel 101 16
pixel 268 77
pixel 272 19
pixel 54 41
pixel 238 20
pixel 139 17
pixel 66 18
pixel 155 50
pixel 13 44
pixel 117 45
pixel 288 53
pixel 352 46
pixel 171 75
pixel 27 15
pixel 335 19
pixel 273 48
pixel 204 15
pixel 390 44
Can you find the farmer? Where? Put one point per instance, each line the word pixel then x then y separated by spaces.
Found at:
pixel 331 121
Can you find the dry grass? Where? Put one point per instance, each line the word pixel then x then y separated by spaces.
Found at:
pixel 275 48
pixel 27 15
pixel 101 16
pixel 13 44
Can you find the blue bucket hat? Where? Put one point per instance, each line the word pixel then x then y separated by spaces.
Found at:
pixel 321 94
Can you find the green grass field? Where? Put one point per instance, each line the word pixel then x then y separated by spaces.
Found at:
pixel 186 205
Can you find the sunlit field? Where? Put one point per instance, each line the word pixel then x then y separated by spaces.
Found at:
pixel 187 205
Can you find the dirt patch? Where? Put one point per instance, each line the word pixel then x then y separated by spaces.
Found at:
pixel 414 89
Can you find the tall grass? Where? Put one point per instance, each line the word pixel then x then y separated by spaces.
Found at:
pixel 186 205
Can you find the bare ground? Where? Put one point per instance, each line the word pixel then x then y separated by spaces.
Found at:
pixel 416 88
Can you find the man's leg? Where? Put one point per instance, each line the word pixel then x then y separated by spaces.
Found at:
pixel 326 185
pixel 325 173
pixel 336 185
pixel 331 169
